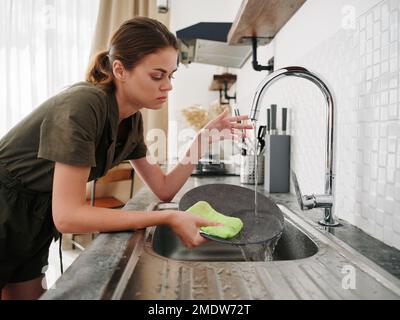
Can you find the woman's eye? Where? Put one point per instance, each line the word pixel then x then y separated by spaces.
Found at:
pixel 156 77
pixel 160 77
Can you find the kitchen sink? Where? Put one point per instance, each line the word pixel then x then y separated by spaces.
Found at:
pixel 293 245
pixel 309 262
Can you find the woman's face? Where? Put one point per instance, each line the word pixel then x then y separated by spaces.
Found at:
pixel 147 85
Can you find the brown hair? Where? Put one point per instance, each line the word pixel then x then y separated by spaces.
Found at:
pixel 135 39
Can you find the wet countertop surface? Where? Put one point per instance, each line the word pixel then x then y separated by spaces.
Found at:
pixel 123 266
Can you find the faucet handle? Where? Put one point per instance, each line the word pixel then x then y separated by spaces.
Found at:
pixel 305 202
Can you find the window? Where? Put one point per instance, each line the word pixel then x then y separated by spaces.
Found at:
pixel 44 47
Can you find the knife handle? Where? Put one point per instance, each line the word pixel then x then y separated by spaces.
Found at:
pixel 284 119
pixel 273 118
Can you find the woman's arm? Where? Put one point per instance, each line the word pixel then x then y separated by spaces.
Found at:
pixel 71 214
pixel 165 186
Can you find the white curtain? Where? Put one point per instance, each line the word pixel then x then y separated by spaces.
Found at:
pixel 44 46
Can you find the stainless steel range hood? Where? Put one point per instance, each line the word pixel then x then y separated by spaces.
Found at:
pixel 206 42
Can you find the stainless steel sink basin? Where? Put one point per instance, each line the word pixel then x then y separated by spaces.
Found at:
pixel 293 245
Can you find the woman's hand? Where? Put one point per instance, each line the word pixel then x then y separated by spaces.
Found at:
pixel 226 127
pixel 187 226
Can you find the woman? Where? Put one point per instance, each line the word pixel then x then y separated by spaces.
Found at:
pixel 77 136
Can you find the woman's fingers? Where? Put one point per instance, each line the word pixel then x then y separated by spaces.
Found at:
pixel 241 126
pixel 238 118
pixel 207 223
pixel 199 240
pixel 223 113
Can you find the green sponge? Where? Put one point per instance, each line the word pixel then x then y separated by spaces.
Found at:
pixel 231 226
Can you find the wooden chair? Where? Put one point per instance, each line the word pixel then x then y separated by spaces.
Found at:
pixel 122 172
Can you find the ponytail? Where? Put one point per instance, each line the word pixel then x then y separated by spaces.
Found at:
pixel 135 39
pixel 100 72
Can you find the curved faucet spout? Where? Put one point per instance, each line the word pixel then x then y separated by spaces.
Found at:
pixel 300 72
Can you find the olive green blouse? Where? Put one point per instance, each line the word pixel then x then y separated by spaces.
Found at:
pixel 78 126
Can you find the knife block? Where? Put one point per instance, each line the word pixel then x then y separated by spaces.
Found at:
pixel 277 164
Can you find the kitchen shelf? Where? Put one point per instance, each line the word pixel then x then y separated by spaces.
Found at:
pixel 262 19
pixel 219 80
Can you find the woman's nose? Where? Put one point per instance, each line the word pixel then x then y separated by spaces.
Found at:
pixel 167 85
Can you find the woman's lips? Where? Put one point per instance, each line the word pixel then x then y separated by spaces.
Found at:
pixel 162 98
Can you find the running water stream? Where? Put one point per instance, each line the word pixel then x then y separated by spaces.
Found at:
pixel 255 170
pixel 259 251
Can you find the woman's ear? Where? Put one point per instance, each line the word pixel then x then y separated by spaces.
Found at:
pixel 119 70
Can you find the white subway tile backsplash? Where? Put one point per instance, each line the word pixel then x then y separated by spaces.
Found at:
pixel 374 170
pixel 361 23
pixel 393 64
pixel 376 43
pixel 377 56
pixel 396 224
pixel 374 161
pixel 385 38
pixel 397 181
pixel 390 179
pixel 384 113
pixel 368 86
pixel 393 112
pixel 391 163
pixel 394 80
pixel 396 240
pixel 376 71
pixel 378 232
pixel 370 45
pixel 385 16
pixel 397 193
pixel 379 214
pixel 370 18
pixel 394 50
pixel 377 13
pixel 384 97
pixel 393 129
pixel 361 66
pixel 394 33
pixel 394 18
pixel 392 145
pixel 383 140
pixel 388 235
pixel 393 96
pixel 393 4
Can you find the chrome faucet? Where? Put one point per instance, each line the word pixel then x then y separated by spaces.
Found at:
pixel 308 201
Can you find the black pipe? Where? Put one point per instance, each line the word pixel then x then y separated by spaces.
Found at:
pixel 257 66
pixel 227 97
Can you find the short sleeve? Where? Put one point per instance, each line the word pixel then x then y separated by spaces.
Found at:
pixel 140 151
pixel 69 132
pixel 139 147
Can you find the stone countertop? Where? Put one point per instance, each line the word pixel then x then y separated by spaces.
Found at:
pixel 95 274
